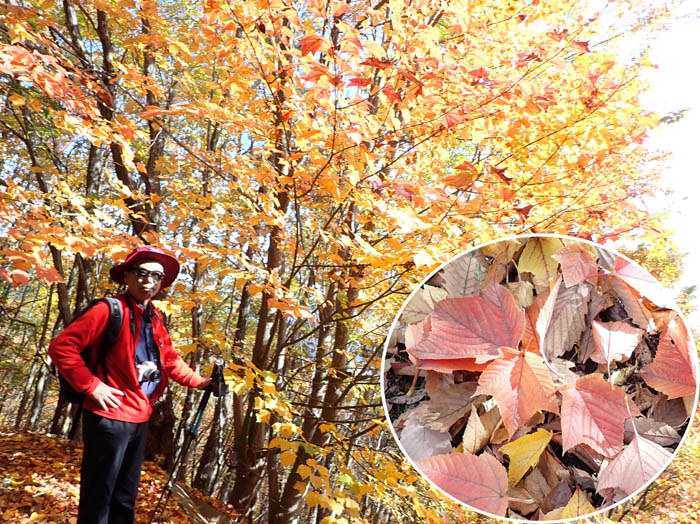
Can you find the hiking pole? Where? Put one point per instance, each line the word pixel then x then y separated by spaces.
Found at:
pixel 218 387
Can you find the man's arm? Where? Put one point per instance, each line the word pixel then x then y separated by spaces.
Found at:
pixel 65 351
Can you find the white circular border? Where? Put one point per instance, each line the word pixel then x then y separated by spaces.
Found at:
pixel 418 286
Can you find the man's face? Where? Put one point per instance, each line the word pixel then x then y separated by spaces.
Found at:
pixel 143 280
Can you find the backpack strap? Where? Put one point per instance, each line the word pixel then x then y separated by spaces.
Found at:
pixel 114 325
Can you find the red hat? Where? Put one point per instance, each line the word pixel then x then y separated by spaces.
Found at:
pixel 170 264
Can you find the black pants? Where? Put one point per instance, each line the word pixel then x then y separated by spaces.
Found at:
pixel 111 469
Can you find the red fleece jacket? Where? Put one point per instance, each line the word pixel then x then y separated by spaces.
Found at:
pixel 87 330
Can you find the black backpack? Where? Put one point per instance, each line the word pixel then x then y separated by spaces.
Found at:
pixel 66 392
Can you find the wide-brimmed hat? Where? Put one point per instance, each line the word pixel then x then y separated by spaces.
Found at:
pixel 171 266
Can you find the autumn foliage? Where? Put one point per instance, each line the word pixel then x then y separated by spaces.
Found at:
pixel 308 163
pixel 575 411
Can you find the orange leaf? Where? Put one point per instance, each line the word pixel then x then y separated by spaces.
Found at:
pixel 310 44
pixel 521 385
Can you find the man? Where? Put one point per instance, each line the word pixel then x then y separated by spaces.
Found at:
pixel 126 381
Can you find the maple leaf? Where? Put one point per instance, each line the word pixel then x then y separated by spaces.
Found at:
pixel 593 412
pixel 674 369
pixel 521 385
pixel 310 44
pixel 632 468
pixel 614 341
pixel 524 453
pixel 577 264
pixel 479 481
pixel 474 327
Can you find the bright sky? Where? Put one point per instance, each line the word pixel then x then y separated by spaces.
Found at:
pixel 676 86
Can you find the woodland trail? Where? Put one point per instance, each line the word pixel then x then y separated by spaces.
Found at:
pixel 40 483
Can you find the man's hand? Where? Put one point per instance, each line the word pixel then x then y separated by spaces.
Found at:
pixel 205 384
pixel 107 397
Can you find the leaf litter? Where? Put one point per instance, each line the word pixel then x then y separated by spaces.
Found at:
pixel 564 368
pixel 40 482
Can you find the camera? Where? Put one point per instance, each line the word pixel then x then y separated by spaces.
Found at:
pixel 148 372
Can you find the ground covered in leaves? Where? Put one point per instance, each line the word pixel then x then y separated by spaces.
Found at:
pixel 41 477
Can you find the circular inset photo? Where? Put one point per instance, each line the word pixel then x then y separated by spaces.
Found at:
pixel 540 378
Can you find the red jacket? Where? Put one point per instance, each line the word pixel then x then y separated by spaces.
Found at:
pixel 119 361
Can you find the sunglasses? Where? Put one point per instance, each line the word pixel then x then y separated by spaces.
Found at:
pixel 156 276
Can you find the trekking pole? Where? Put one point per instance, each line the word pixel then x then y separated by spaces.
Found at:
pixel 218 387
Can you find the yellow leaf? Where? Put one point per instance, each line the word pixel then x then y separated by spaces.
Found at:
pixel 288 457
pixel 537 259
pixel 17 100
pixel 304 471
pixel 577 506
pixel 525 452
pixel 313 498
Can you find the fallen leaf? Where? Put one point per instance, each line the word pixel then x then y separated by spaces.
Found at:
pixel 636 465
pixel 593 412
pixel 577 264
pixel 578 506
pixel 614 341
pixel 521 385
pixel 476 435
pixel 472 327
pixel 447 405
pixel 523 292
pixel 656 431
pixel 464 275
pixel 479 481
pixel 422 304
pixel 420 442
pixel 524 453
pixel 537 258
pixel 644 283
pixel 674 370
pixel 568 320
pixel 639 314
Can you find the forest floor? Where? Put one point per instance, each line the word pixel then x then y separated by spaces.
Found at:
pixel 40 479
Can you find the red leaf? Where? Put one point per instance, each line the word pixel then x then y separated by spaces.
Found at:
pixel 637 464
pixel 674 369
pixel 499 172
pixel 614 341
pixel 521 385
pixel 310 44
pixel 479 481
pixel 577 264
pixel 375 62
pixel 359 81
pixel 593 412
pixel 581 47
pixel 405 191
pixel 472 327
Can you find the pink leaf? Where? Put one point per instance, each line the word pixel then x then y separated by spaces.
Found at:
pixel 614 341
pixel 642 281
pixel 472 327
pixel 635 466
pixel 521 385
pixel 577 264
pixel 593 412
pixel 479 481
pixel 419 441
pixel 674 369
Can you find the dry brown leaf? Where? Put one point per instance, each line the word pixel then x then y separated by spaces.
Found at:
pixel 464 275
pixel 422 304
pixel 476 435
pixel 446 406
pixel 419 441
pixel 568 320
